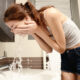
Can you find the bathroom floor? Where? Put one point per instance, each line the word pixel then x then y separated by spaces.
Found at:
pixel 29 74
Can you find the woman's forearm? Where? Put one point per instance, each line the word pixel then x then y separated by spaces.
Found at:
pixel 52 43
pixel 42 44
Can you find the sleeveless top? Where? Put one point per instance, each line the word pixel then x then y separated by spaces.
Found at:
pixel 72 33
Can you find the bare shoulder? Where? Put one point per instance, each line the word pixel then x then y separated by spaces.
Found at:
pixel 54 15
pixel 51 13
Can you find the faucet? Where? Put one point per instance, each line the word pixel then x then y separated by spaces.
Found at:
pixel 4 56
pixel 5 66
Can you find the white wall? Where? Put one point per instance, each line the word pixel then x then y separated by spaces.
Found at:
pixel 79 7
pixel 62 5
pixel 1 49
pixel 21 47
pixel 21 1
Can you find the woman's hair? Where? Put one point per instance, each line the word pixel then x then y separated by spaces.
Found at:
pixel 19 12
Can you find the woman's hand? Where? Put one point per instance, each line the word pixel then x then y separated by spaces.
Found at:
pixel 29 27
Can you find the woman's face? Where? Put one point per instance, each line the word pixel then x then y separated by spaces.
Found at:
pixel 15 23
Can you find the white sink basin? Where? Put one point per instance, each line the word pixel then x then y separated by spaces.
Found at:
pixel 29 74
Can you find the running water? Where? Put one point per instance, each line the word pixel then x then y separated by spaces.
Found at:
pixel 18 50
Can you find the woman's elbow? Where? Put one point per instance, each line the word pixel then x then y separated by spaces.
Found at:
pixel 49 51
pixel 62 50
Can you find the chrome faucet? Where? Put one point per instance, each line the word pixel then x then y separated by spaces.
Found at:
pixel 4 56
pixel 2 67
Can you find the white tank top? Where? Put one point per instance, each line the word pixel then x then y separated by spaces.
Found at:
pixel 72 33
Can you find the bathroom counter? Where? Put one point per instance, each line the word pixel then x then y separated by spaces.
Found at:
pixel 29 74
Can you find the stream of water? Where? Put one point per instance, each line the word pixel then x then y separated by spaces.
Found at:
pixel 17 61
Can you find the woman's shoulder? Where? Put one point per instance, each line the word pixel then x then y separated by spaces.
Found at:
pixel 54 14
pixel 51 13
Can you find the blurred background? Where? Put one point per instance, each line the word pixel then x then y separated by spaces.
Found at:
pixel 10 43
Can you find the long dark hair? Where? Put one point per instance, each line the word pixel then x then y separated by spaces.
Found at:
pixel 20 11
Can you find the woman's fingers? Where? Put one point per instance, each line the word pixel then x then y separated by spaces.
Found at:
pixel 29 22
pixel 24 26
pixel 29 27
pixel 20 32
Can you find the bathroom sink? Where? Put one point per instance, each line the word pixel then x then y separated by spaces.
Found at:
pixel 29 74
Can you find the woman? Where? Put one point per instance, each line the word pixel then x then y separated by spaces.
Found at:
pixel 51 29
